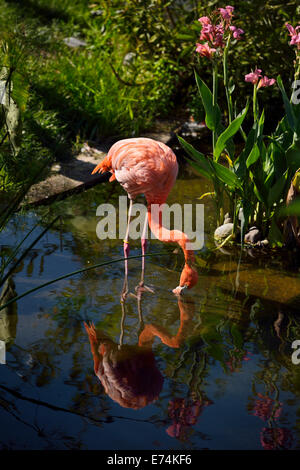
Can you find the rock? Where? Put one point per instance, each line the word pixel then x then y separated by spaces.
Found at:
pixel 97 12
pixel 74 42
pixel 129 58
pixel 192 129
pixel 227 219
pixel 253 236
pixel 223 231
pixel 68 177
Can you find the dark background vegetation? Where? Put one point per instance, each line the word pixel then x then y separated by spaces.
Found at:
pixel 137 65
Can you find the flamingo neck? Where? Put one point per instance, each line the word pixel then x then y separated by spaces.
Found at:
pixel 168 236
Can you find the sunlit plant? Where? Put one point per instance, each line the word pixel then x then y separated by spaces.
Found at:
pixel 255 180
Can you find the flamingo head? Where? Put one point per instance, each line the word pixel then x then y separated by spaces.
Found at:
pixel 188 279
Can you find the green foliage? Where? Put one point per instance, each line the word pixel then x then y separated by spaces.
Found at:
pixel 138 60
pixel 257 180
pixel 21 154
pixel 231 130
pixel 137 65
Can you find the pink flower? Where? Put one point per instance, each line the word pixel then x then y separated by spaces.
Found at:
pixel 265 81
pixel 253 77
pixel 214 34
pixel 294 35
pixel 184 413
pixel 204 50
pixel 264 408
pixel 227 12
pixel 246 358
pixel 204 20
pixel 207 32
pixel 235 361
pixel 237 32
pixel 218 36
pixel 276 438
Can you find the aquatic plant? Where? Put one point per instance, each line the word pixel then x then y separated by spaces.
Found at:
pixel 255 180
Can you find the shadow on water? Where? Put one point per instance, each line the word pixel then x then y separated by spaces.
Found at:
pixel 212 370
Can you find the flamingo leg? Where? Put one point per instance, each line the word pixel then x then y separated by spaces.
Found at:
pixel 126 250
pixel 141 287
pixel 122 325
pixel 144 248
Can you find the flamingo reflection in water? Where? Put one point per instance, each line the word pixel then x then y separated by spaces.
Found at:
pixel 129 373
pixel 183 412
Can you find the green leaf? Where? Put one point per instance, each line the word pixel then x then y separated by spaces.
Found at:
pixel 237 337
pixel 261 124
pixel 293 156
pixel 287 105
pixel 240 163
pixel 208 168
pixel 231 89
pixel 292 209
pixel 275 236
pixel 253 156
pixel 201 163
pixel 20 91
pixel 258 188
pixel 275 193
pixel 200 169
pixel 228 133
pixel 247 211
pixel 185 37
pixel 213 113
pixel 216 351
pixel 226 176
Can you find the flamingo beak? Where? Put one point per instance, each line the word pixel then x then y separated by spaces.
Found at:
pixel 179 290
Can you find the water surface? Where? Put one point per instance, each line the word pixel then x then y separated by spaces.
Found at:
pixel 211 371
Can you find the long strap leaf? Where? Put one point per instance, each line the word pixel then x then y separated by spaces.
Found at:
pixel 13 255
pixel 65 276
pixel 11 270
pixel 228 133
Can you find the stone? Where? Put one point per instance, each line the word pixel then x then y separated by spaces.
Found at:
pixel 223 231
pixel 68 176
pixel 193 129
pixel 74 42
pixel 98 12
pixel 253 236
pixel 129 58
pixel 227 219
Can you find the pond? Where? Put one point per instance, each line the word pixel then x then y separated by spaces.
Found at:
pixel 212 370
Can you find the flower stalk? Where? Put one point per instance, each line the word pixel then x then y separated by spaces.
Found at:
pixel 226 80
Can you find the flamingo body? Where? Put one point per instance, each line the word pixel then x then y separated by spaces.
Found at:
pixel 145 166
pixel 142 166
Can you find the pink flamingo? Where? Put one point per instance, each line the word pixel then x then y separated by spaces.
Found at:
pixel 145 166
